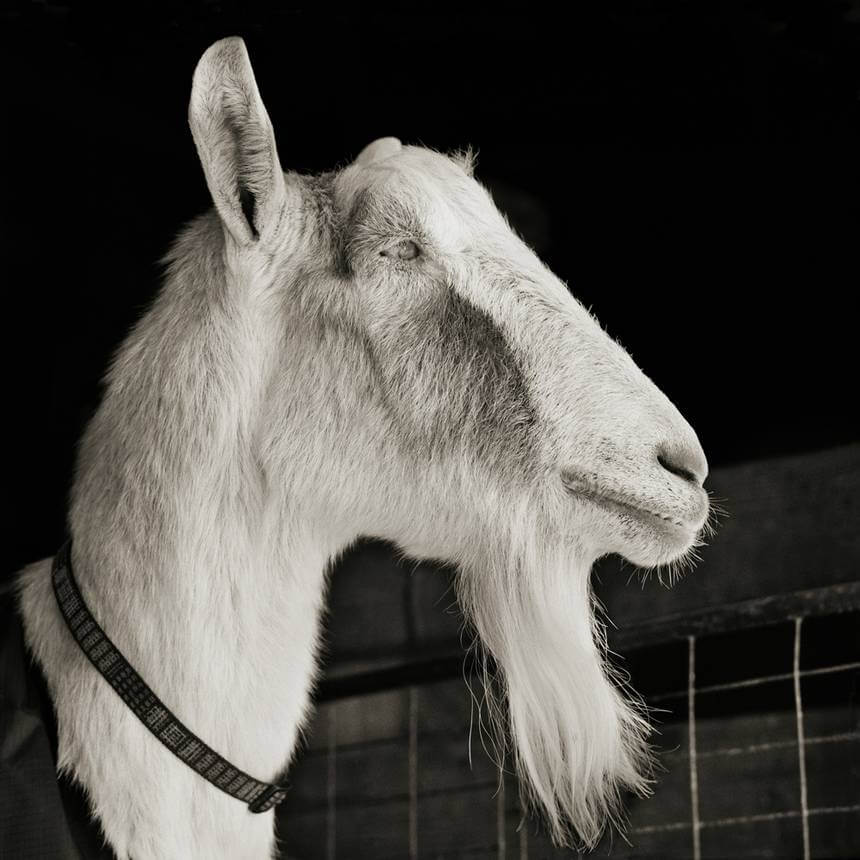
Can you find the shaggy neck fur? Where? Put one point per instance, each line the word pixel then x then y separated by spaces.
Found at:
pixel 206 575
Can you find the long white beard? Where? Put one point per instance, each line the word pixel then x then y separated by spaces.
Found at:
pixel 576 740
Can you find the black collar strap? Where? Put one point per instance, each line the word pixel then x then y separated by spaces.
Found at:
pixel 147 707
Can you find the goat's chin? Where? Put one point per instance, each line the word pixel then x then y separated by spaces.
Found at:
pixel 577 741
pixel 649 542
pixel 660 552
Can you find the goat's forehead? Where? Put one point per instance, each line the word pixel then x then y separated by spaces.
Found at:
pixel 419 178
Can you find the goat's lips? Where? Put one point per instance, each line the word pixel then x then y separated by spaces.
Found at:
pixel 624 505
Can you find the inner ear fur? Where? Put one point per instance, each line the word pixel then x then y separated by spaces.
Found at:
pixel 236 142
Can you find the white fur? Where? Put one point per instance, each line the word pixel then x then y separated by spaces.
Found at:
pixel 297 384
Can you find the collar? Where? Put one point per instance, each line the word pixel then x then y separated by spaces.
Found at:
pixel 147 707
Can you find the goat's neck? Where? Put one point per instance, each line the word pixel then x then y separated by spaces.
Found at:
pixel 206 577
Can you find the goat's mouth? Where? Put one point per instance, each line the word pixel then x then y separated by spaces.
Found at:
pixel 669 523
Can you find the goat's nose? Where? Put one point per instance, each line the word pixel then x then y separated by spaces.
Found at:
pixel 686 461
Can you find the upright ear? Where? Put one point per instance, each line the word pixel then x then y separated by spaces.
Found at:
pixel 235 142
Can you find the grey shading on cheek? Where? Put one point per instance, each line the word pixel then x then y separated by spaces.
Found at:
pixel 455 381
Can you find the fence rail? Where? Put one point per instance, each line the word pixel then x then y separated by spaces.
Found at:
pixel 447 661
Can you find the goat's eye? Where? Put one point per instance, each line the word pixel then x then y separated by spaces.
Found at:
pixel 403 250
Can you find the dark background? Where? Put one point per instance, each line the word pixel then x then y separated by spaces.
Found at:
pixel 691 170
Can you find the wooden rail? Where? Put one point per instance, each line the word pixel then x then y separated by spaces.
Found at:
pixel 445 662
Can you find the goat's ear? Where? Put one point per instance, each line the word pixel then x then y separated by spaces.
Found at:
pixel 235 142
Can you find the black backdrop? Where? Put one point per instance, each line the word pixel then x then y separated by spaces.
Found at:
pixel 692 171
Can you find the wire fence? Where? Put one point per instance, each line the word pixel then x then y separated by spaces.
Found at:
pixel 756 763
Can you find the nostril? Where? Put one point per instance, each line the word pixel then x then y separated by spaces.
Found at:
pixel 680 467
